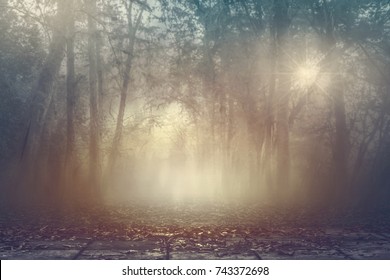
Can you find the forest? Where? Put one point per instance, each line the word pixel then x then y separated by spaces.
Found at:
pixel 240 102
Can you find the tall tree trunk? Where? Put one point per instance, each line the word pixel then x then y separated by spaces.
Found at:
pixel 94 138
pixel 209 88
pixel 340 150
pixel 268 161
pixel 336 89
pixel 70 98
pixel 132 31
pixel 281 25
pixel 40 100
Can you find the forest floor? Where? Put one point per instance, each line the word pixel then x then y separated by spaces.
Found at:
pixel 192 232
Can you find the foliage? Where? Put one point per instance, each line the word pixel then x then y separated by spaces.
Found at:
pixel 213 83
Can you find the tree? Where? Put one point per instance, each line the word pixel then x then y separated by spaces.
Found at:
pixel 94 136
pixel 326 13
pixel 41 96
pixel 21 57
pixel 281 24
pixel 132 28
pixel 70 96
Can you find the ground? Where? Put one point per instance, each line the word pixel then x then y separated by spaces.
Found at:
pixel 192 232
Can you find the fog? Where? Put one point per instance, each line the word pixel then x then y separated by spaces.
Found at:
pixel 169 168
pixel 233 102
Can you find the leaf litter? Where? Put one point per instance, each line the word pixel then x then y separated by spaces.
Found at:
pixel 219 229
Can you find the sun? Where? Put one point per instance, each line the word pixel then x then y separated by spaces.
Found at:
pixel 306 75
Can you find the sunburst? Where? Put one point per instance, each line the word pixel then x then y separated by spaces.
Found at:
pixel 306 75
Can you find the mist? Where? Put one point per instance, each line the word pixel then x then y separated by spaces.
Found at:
pixel 270 103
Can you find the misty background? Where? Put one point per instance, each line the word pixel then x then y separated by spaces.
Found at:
pixel 219 101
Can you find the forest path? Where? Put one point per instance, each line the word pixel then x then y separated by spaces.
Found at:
pixel 185 232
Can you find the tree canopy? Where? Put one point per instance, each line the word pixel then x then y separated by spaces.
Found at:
pixel 242 101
